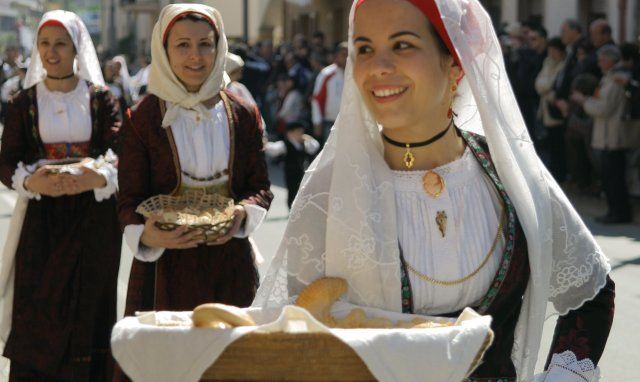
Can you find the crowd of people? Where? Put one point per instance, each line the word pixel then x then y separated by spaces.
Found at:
pixel 558 82
pixel 580 99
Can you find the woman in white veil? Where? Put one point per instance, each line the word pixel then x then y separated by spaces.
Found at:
pixel 488 217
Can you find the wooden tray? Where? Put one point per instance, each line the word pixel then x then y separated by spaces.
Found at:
pixel 300 357
pixel 288 357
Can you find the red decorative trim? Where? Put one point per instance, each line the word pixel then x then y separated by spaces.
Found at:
pixel 165 35
pixel 52 23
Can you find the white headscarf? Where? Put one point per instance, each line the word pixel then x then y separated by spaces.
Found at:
pixel 125 77
pixel 234 62
pixel 350 188
pixel 164 83
pixel 86 64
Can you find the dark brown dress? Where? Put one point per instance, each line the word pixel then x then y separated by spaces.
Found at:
pixel 149 165
pixel 67 258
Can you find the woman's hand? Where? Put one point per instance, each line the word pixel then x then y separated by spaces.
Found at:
pixel 87 181
pixel 239 216
pixel 44 182
pixel 179 238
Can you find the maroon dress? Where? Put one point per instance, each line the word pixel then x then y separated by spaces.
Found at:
pixel 67 259
pixel 149 165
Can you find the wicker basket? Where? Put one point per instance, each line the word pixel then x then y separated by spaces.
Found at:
pixel 205 207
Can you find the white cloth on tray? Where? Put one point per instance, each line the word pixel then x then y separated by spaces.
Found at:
pixel 148 352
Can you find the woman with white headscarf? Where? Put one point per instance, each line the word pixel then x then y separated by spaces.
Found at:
pixel 123 76
pixel 60 261
pixel 428 196
pixel 190 133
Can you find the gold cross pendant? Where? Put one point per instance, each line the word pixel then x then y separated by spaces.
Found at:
pixel 409 158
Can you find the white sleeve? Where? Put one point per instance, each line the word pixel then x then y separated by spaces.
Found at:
pixel 17 181
pixel 275 149
pixel 132 234
pixel 105 166
pixel 255 217
pixel 564 367
pixel 311 146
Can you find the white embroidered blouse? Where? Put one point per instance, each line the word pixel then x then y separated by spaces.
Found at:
pixel 66 118
pixel 473 210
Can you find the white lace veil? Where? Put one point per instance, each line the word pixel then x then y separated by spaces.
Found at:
pixel 86 64
pixel 343 221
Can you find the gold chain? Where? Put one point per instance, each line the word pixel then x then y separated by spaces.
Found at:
pixel 470 275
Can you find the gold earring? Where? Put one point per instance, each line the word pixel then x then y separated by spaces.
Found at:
pixel 454 87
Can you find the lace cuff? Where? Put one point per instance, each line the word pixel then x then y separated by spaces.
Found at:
pixel 255 217
pixel 132 234
pixel 17 180
pixel 565 367
pixel 105 166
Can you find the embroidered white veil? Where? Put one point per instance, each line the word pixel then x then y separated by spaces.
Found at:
pixel 343 221
pixel 86 65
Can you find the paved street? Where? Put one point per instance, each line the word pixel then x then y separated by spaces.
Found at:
pixel 620 243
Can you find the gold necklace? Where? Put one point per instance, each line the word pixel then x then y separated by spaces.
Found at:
pixel 432 280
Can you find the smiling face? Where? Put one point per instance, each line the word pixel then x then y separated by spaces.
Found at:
pixel 403 76
pixel 191 49
pixel 56 50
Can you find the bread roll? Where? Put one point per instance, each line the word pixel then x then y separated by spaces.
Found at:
pixel 215 315
pixel 319 296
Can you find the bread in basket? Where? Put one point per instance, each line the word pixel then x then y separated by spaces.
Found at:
pixel 209 214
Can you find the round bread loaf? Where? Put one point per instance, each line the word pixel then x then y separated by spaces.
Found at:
pixel 212 314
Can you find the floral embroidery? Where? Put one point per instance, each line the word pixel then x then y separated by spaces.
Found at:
pixel 67 150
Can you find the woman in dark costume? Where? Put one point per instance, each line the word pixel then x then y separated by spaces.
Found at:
pixel 61 258
pixel 189 133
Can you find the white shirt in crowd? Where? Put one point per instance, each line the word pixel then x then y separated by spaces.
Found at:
pixel 327 94
pixel 276 149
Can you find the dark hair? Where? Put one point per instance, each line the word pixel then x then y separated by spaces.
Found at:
pixel 586 46
pixel 195 17
pixel 539 29
pixel 574 24
pixel 586 84
pixel 556 42
pixel 442 47
pixel 318 34
pixel 341 45
pixel 241 49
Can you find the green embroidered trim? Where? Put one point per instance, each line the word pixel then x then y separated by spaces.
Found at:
pixel 483 157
